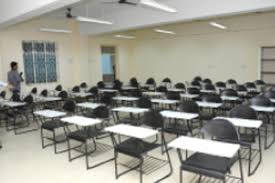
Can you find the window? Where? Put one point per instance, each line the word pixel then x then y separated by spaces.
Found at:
pixel 268 64
pixel 108 63
pixel 39 62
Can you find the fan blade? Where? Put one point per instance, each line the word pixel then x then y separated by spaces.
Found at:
pixel 156 5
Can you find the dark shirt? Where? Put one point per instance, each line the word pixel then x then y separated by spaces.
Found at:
pixel 15 80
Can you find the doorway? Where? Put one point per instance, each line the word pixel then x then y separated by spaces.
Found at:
pixel 108 55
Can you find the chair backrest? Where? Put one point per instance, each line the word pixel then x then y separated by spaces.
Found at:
pixel 193 91
pixel 250 85
pixel 259 82
pixel 197 78
pixel 34 91
pixel 229 93
pixel 63 95
pixel 136 93
pixel 270 94
pixel 209 87
pixel 212 98
pixel 221 129
pixel 28 99
pixel 189 106
pixel 196 83
pixel 220 84
pixel 243 112
pixel 207 81
pixel 180 86
pixel 241 88
pixel 151 81
pixel 44 93
pixel 260 101
pixel 101 84
pixel 166 80
pixel 117 85
pixel 232 81
pixel 69 106
pixel 16 97
pixel 59 88
pixel 3 94
pixel 144 102
pixel 162 89
pixel 101 112
pixel 83 85
pixel 133 82
pixel 76 89
pixel 153 119
pixel 171 95
pixel 93 90
pixel 106 99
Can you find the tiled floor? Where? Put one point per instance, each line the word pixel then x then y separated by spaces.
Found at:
pixel 22 160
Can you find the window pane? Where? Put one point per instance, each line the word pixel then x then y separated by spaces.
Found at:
pixel 28 62
pixel 39 57
pixel 51 62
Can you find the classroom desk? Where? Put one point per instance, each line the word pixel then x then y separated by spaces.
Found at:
pixel 89 105
pixel 189 96
pixel 211 105
pixel 153 94
pixel 49 113
pixel 176 90
pixel 179 115
pixel 130 110
pixel 81 121
pixel 230 98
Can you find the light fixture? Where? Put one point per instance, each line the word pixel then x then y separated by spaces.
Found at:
pixel 154 4
pixel 215 24
pixel 164 31
pixel 124 36
pixel 55 30
pixel 92 20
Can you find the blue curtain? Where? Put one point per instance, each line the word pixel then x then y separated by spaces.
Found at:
pixel 51 62
pixel 28 62
pixel 39 62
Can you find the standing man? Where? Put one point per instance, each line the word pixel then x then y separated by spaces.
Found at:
pixel 14 78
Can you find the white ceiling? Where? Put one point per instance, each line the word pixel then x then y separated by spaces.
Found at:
pixel 127 17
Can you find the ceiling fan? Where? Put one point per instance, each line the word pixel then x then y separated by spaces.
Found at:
pixel 85 19
pixel 148 3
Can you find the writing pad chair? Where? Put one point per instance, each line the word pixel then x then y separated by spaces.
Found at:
pixel 34 91
pixel 76 89
pixel 230 93
pixel 117 85
pixel 259 82
pixel 171 95
pixel 167 82
pixel 140 148
pixel 220 85
pixel 133 82
pixel 83 85
pixel 180 86
pixel 194 91
pixel 53 125
pixel 208 114
pixel 84 135
pixel 216 167
pixel 196 84
pixel 209 87
pixel 94 91
pixel 232 83
pixel 152 82
pixel 197 78
pixel 252 89
pixel 3 110
pixel 248 137
pixel 266 117
pixel 136 93
pixel 162 89
pixel 3 94
pixel 101 85
pixel 207 81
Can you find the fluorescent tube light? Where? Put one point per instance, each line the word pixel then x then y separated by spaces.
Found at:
pixel 92 20
pixel 215 24
pixel 125 37
pixel 154 4
pixel 164 31
pixel 56 30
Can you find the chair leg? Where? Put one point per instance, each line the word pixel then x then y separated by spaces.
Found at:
pixel 140 170
pixel 199 179
pixel 69 149
pixel 180 176
pixel 42 138
pixel 241 167
pixel 86 155
pixel 116 168
pixel 54 142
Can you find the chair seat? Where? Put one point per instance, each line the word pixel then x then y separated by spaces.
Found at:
pixel 83 135
pixel 51 125
pixel 135 147
pixel 208 165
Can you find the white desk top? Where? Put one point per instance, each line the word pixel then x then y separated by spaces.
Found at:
pixel 246 123
pixel 132 131
pixel 186 95
pixel 13 104
pixel 208 91
pixel 228 98
pixel 126 98
pixel 89 105
pixel 272 100
pixel 48 99
pixel 209 104
pixel 153 93
pixel 81 121
pixel 128 88
pixel 176 90
pixel 81 94
pixel 263 109
pixel 205 146
pixel 135 110
pixel 164 101
pixel 179 115
pixel 107 90
pixel 242 93
pixel 50 113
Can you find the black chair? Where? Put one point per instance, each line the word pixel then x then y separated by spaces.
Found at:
pixel 251 88
pixel 83 85
pixel 144 102
pixel 259 82
pixel 166 80
pixel 197 78
pixel 209 87
pixel 193 91
pixel 76 89
pixel 151 81
pixel 231 93
pixel 231 81
pixel 34 91
pixel 101 85
pixel 196 83
pixel 16 97
pixel 106 99
pixel 134 82
pixel 87 134
pixel 220 84
pixel 54 124
pixel 138 148
pixel 180 86
pixel 208 114
pixel 162 89
pixel 209 165
pixel 136 93
pixel 207 81
pixel 171 95
pixel 94 91
pixel 3 94
pixel 117 85
pixel 248 137
pixel 59 88
pixel 63 95
pixel 44 93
